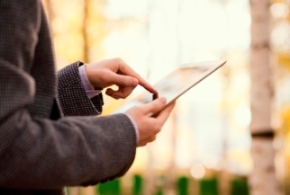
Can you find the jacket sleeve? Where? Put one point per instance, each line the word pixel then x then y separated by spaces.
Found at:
pixel 40 153
pixel 72 96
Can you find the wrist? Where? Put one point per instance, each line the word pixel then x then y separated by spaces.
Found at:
pixel 135 126
pixel 88 87
pixel 90 74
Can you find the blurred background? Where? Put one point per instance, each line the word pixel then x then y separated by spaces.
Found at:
pixel 209 145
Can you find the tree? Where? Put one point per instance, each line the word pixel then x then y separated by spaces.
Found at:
pixel 262 180
pixel 84 30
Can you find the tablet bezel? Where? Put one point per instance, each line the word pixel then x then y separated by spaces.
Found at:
pixel 218 64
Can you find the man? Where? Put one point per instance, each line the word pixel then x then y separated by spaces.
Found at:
pixel 48 142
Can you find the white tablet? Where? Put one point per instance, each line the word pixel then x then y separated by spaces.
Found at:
pixel 177 82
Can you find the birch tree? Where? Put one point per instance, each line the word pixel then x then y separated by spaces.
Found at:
pixel 262 180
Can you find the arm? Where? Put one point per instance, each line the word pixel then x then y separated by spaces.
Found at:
pixel 35 152
pixel 38 153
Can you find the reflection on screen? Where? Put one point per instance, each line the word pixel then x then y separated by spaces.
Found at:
pixel 170 86
pixel 175 83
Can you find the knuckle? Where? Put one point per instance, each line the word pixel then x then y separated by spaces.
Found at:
pixel 142 143
pixel 152 139
pixel 137 109
pixel 158 126
pixel 127 93
pixel 117 60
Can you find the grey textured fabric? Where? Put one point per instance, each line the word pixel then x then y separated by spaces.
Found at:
pixel 43 146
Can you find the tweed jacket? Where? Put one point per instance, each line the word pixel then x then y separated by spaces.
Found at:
pixel 47 143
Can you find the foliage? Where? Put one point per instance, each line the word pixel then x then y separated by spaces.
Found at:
pixel 285 121
pixel 239 187
pixel 283 59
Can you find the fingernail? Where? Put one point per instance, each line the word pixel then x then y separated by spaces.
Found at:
pixel 155 96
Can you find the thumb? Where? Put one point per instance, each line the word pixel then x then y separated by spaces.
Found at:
pixel 155 106
pixel 123 80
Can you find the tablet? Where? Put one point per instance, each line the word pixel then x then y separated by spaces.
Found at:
pixel 177 82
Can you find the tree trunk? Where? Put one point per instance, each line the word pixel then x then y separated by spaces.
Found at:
pixel 84 31
pixel 263 179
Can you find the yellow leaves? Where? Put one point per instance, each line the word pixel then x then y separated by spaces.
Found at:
pixel 76 37
pixel 111 105
pixel 277 1
pixel 284 59
pixel 96 29
pixel 285 121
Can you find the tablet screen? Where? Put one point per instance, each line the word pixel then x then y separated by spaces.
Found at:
pixel 177 82
pixel 174 84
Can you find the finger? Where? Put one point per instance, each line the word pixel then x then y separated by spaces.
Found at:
pixel 155 96
pixel 148 140
pixel 142 144
pixel 154 106
pixel 123 80
pixel 123 92
pixel 152 138
pixel 110 92
pixel 164 114
pixel 147 85
pixel 127 70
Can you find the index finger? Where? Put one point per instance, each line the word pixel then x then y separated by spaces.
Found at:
pixel 127 70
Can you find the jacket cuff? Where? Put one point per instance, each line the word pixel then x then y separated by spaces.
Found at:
pixel 72 96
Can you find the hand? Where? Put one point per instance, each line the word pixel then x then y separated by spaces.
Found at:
pixel 115 72
pixel 149 126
